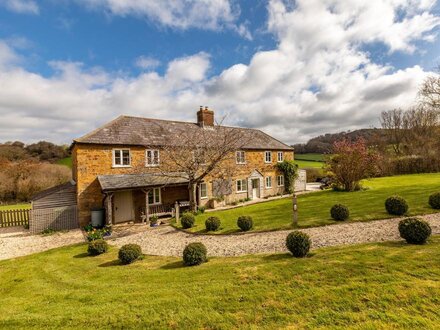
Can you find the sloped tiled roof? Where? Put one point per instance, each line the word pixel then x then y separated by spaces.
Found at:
pixel 127 130
pixel 145 180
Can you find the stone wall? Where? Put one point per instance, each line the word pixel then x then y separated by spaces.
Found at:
pixel 89 161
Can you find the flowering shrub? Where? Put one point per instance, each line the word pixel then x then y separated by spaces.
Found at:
pixel 96 233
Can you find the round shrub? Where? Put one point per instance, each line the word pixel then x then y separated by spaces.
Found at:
pixel 212 224
pixel 414 230
pixel 194 254
pixel 245 222
pixel 396 205
pixel 97 247
pixel 298 243
pixel 129 253
pixel 434 200
pixel 187 220
pixel 339 212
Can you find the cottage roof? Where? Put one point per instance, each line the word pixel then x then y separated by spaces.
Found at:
pixel 128 130
pixel 138 181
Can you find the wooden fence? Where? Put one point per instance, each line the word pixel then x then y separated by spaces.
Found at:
pixel 14 218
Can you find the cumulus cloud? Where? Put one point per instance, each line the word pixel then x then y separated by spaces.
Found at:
pixel 317 79
pixel 21 6
pixel 145 62
pixel 184 14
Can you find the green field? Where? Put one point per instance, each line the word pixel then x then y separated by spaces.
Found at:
pixel 65 161
pixel 15 206
pixel 310 157
pixel 375 286
pixel 314 208
pixel 309 164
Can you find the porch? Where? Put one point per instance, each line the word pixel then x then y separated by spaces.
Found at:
pixel 138 197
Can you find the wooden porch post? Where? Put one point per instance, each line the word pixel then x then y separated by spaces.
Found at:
pixel 109 208
pixel 177 210
pixel 147 206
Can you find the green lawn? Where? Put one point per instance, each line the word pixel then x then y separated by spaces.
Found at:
pixel 314 208
pixel 65 161
pixel 312 157
pixel 374 286
pixel 15 206
pixel 308 164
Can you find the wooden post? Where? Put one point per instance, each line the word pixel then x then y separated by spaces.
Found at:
pixel 177 210
pixel 147 206
pixel 109 209
pixel 295 211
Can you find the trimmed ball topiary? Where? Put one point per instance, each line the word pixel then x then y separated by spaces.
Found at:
pixel 97 247
pixel 396 205
pixel 212 224
pixel 194 254
pixel 434 200
pixel 298 243
pixel 129 253
pixel 187 220
pixel 339 212
pixel 245 222
pixel 414 230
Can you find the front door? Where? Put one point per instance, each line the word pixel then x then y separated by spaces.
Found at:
pixel 123 203
pixel 255 188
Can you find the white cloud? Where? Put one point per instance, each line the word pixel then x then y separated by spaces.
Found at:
pixel 317 79
pixel 183 14
pixel 21 6
pixel 145 62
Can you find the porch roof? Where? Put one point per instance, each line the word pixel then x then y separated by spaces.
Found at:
pixel 138 181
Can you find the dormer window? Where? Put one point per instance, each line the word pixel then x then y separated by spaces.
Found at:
pixel 152 158
pixel 268 156
pixel 240 157
pixel 121 158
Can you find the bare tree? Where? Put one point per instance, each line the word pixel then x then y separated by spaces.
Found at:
pixel 201 152
pixel 392 122
pixel 429 93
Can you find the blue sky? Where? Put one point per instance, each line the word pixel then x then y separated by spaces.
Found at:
pixel 293 69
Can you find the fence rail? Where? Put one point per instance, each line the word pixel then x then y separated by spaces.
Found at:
pixel 14 218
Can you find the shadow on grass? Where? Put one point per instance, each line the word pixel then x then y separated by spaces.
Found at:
pixel 82 255
pixel 173 265
pixel 112 263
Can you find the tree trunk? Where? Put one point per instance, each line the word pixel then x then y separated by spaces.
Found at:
pixel 192 196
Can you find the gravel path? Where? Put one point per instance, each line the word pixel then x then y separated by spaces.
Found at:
pixel 167 241
pixel 19 243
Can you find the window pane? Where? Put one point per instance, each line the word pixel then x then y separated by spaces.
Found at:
pixel 117 157
pixel 150 197
pixel 203 190
pixel 157 195
pixel 126 157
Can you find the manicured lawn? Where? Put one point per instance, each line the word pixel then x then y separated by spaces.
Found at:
pixel 314 208
pixel 375 286
pixel 15 206
pixel 65 161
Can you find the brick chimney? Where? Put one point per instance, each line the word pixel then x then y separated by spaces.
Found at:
pixel 205 117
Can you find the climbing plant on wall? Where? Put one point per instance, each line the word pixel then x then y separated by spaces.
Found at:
pixel 290 171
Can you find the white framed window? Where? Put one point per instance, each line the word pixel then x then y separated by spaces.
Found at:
pixel 268 182
pixel 280 156
pixel 240 157
pixel 280 180
pixel 152 157
pixel 268 156
pixel 203 191
pixel 154 196
pixel 241 185
pixel 121 158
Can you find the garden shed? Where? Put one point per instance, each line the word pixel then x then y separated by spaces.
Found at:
pixel 54 208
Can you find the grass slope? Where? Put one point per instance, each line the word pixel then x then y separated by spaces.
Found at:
pixel 65 161
pixel 314 208
pixel 310 157
pixel 389 285
pixel 308 164
pixel 15 206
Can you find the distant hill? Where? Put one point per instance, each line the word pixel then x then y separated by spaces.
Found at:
pixel 323 144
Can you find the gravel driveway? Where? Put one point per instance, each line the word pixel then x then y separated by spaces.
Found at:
pixel 167 241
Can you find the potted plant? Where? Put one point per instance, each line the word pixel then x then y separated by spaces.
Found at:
pixel 154 221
